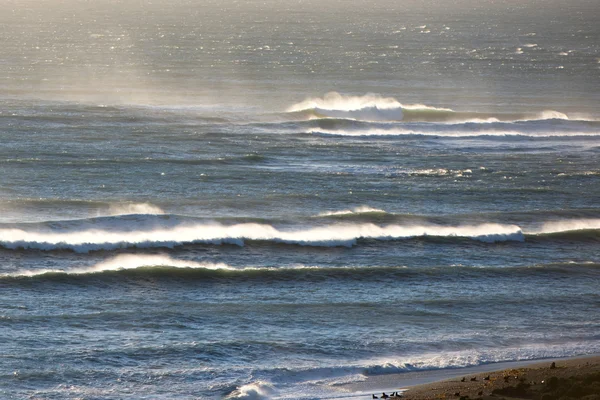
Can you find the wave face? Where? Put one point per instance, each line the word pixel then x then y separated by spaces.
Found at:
pixel 85 240
pixel 352 227
pixel 342 235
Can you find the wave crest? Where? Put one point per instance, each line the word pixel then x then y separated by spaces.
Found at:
pixel 346 235
pixel 134 208
pixel 369 107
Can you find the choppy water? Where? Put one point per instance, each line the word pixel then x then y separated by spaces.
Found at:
pixel 268 200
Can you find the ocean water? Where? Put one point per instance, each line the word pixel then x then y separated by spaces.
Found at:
pixel 273 199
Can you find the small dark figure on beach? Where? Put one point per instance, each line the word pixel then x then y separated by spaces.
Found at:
pixel 474 379
pixel 553 366
pixel 384 396
pixel 375 397
pixel 487 378
pixel 463 379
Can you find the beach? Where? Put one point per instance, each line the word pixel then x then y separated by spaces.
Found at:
pixel 572 378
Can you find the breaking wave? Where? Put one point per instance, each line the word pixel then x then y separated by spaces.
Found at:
pixel 335 235
pixel 376 108
pixel 133 208
pixel 370 107
pixel 533 128
pixel 345 235
pixel 353 211
pixel 164 267
pixel 253 391
pixel 123 262
pixel 336 228
pixel 473 358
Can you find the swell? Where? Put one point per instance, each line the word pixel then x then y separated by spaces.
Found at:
pixel 123 268
pixel 243 159
pixel 544 128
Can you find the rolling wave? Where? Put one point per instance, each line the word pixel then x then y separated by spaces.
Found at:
pixel 352 227
pixel 354 211
pixel 536 128
pixel 344 235
pixel 143 266
pixel 376 108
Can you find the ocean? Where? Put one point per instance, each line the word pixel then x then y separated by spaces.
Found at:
pixel 279 200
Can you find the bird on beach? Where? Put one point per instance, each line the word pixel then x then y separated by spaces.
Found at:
pixel 375 397
pixel 384 396
pixel 463 379
pixel 487 378
pixel 474 379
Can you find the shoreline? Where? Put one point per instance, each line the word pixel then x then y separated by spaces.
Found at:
pixel 507 380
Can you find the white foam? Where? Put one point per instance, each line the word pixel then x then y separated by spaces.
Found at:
pixel 124 262
pixel 457 133
pixel 254 391
pixel 355 210
pixel 336 101
pixel 470 358
pixel 567 225
pixel 133 208
pixel 369 107
pixel 551 114
pixel 363 114
pixel 213 233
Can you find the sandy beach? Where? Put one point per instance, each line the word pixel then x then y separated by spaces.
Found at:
pixel 574 378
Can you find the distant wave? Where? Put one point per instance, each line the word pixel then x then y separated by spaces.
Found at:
pixel 353 211
pixel 533 128
pixel 133 208
pixel 370 107
pixel 376 108
pixel 165 267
